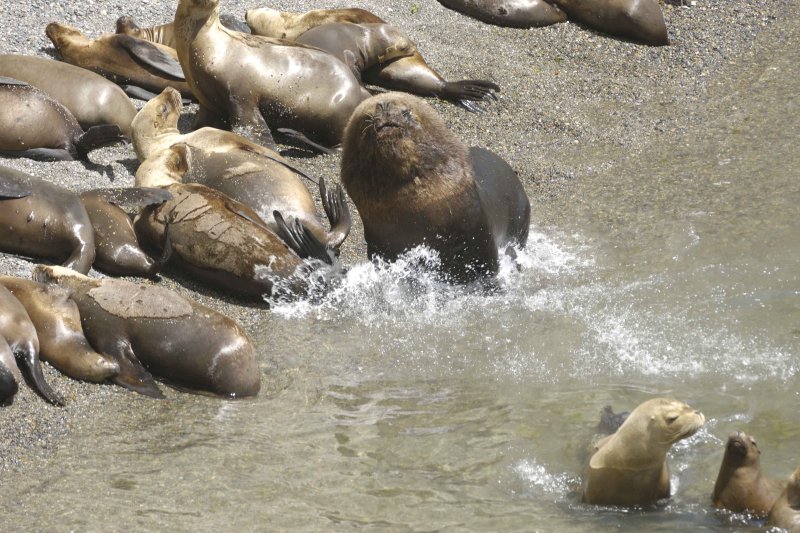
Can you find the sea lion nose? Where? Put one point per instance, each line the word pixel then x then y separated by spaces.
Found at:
pixel 382 106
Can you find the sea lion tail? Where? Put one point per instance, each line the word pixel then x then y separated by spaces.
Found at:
pixel 33 370
pixel 302 241
pixel 97 137
pixel 338 214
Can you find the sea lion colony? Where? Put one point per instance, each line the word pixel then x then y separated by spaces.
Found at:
pixel 228 208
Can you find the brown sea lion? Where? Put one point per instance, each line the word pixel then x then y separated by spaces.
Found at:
pixel 58 327
pixel 165 33
pixel 92 99
pixel 511 13
pixel 20 334
pixel 638 20
pixel 177 339
pixel 740 486
pixel 629 467
pixel 34 125
pixel 9 373
pixel 125 60
pixel 786 511
pixel 414 183
pixel 42 219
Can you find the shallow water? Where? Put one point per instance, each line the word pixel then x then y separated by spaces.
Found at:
pixel 398 403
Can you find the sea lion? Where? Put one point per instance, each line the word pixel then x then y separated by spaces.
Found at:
pixel 42 219
pixel 34 125
pixel 257 83
pixel 165 33
pixel 117 250
pixel 9 373
pixel 58 327
pixel 414 183
pixel 629 467
pixel 638 20
pixel 92 99
pixel 133 63
pixel 20 334
pixel 511 13
pixel 177 339
pixel 786 511
pixel 740 485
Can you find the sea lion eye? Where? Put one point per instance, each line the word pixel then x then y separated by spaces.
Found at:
pixel 407 113
pixel 671 419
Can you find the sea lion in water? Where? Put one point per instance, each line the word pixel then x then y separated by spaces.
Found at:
pixel 34 125
pixel 42 219
pixel 414 183
pixel 125 60
pixel 629 467
pixel 20 334
pixel 740 485
pixel 9 373
pixel 92 99
pixel 58 327
pixel 511 13
pixel 639 20
pixel 177 339
pixel 786 511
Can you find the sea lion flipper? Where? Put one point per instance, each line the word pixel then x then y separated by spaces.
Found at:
pixel 302 241
pixel 338 213
pixel 97 137
pixel 149 54
pixel 233 23
pixel 134 91
pixel 13 189
pixel 610 421
pixel 133 375
pixel 469 90
pixel 33 369
pixel 297 136
pixel 249 123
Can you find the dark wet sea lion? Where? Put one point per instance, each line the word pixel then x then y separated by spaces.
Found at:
pixel 20 334
pixel 786 511
pixel 639 20
pixel 414 183
pixel 58 327
pixel 9 373
pixel 42 219
pixel 512 13
pixel 177 339
pixel 92 99
pixel 123 59
pixel 740 485
pixel 629 467
pixel 34 125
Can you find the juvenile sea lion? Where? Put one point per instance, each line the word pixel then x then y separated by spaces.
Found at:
pixel 92 99
pixel 639 20
pixel 177 339
pixel 629 467
pixel 512 13
pixel 9 373
pixel 165 33
pixel 740 486
pixel 786 511
pixel 414 183
pixel 34 125
pixel 125 60
pixel 42 219
pixel 58 328
pixel 20 334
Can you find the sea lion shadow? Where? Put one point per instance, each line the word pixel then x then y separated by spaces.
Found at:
pixel 106 170
pixel 131 164
pixel 50 51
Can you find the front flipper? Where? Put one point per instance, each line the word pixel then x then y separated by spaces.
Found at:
pixel 33 370
pixel 151 55
pixel 134 91
pixel 13 189
pixel 132 375
pixel 338 214
pixel 299 239
pixel 474 90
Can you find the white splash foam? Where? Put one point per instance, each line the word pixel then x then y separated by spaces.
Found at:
pixel 543 482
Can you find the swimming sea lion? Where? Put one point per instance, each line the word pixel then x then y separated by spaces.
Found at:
pixel 92 99
pixel 125 60
pixel 58 327
pixel 414 183
pixel 9 373
pixel 42 219
pixel 512 13
pixel 629 467
pixel 177 339
pixel 740 486
pixel 639 20
pixel 786 511
pixel 34 125
pixel 20 334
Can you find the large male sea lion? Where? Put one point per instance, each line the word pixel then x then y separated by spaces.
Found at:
pixel 740 485
pixel 639 20
pixel 58 328
pixel 414 183
pixel 34 125
pixel 512 13
pixel 42 219
pixel 177 339
pixel 786 511
pixel 9 373
pixel 629 467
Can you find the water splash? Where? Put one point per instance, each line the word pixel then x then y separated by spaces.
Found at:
pixel 543 483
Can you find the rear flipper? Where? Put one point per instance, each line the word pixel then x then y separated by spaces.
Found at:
pixel 302 241
pixel 132 375
pixel 301 138
pixel 33 372
pixel 97 137
pixel 338 214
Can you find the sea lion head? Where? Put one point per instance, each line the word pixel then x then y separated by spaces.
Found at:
pixel 62 35
pixel 158 116
pixel 671 420
pixel 126 24
pixel 741 450
pixel 266 21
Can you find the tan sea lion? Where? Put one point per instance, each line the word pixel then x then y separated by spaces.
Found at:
pixel 92 99
pixel 9 373
pixel 639 20
pixel 165 33
pixel 414 183
pixel 740 485
pixel 629 467
pixel 58 327
pixel 34 125
pixel 20 334
pixel 42 219
pixel 786 511
pixel 177 339
pixel 511 13
pixel 125 60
